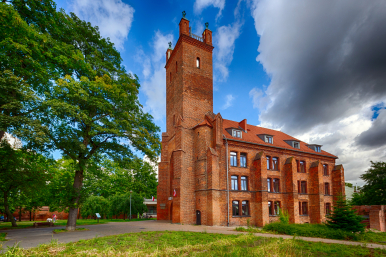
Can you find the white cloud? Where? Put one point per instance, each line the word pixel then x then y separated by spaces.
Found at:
pixel 325 60
pixel 199 5
pixel 224 40
pixel 154 85
pixel 228 101
pixel 113 17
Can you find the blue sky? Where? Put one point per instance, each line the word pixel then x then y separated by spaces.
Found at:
pixel 308 68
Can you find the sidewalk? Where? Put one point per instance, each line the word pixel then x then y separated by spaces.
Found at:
pixel 33 237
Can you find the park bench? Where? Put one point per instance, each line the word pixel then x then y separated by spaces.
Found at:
pixel 36 224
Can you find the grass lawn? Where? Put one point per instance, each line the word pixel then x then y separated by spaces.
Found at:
pixel 179 243
pixel 26 224
pixel 317 230
pixel 2 236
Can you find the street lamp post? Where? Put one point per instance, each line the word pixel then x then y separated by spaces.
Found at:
pixel 130 203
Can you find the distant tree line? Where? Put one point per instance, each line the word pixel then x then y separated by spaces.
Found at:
pixel 374 190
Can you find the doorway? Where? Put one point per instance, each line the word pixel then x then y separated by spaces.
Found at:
pixel 198 218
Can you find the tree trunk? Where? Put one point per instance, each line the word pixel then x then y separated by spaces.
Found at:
pixel 7 211
pixel 73 213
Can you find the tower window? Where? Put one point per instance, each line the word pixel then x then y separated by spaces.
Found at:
pixel 198 62
pixel 326 188
pixel 325 169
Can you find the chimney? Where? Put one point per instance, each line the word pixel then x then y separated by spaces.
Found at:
pixel 243 124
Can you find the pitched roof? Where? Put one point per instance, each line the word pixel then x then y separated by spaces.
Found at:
pixel 278 138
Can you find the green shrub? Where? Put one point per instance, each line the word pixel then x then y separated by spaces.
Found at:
pixel 284 216
pixel 311 230
pixel 344 217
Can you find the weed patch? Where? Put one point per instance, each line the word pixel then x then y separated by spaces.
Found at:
pixel 179 243
pixel 2 236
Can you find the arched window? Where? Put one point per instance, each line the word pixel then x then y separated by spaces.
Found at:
pixel 198 62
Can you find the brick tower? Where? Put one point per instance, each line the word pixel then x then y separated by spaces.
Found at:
pixel 189 96
pixel 223 172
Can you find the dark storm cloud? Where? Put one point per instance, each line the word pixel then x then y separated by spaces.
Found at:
pixel 375 136
pixel 327 59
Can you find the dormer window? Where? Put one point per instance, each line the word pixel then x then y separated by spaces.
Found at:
pixel 236 133
pixel 266 138
pixel 293 143
pixel 316 148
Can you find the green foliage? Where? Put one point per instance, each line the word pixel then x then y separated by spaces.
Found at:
pixel 120 204
pixel 311 230
pixel 23 172
pixel 95 204
pixel 374 190
pixel 348 184
pixel 284 216
pixel 2 236
pixel 344 217
pixel 358 199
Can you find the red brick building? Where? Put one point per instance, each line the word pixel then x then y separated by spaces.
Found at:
pixel 217 172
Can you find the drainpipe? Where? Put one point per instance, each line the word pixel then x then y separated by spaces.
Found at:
pixel 227 161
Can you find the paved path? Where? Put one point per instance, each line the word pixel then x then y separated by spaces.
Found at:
pixel 32 237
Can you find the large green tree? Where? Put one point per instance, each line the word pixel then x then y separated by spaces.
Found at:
pixel 86 118
pixel 374 190
pixel 22 172
pixel 95 111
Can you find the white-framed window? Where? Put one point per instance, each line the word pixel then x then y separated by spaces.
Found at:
pixel 243 160
pixel 296 145
pixel 236 133
pixel 318 149
pixel 269 139
pixel 233 159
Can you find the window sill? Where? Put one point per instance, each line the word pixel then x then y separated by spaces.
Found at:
pixel 328 195
pixel 275 192
pixel 304 215
pixel 241 216
pixel 303 194
pixel 270 215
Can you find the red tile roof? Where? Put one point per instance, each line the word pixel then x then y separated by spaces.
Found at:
pixel 278 137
